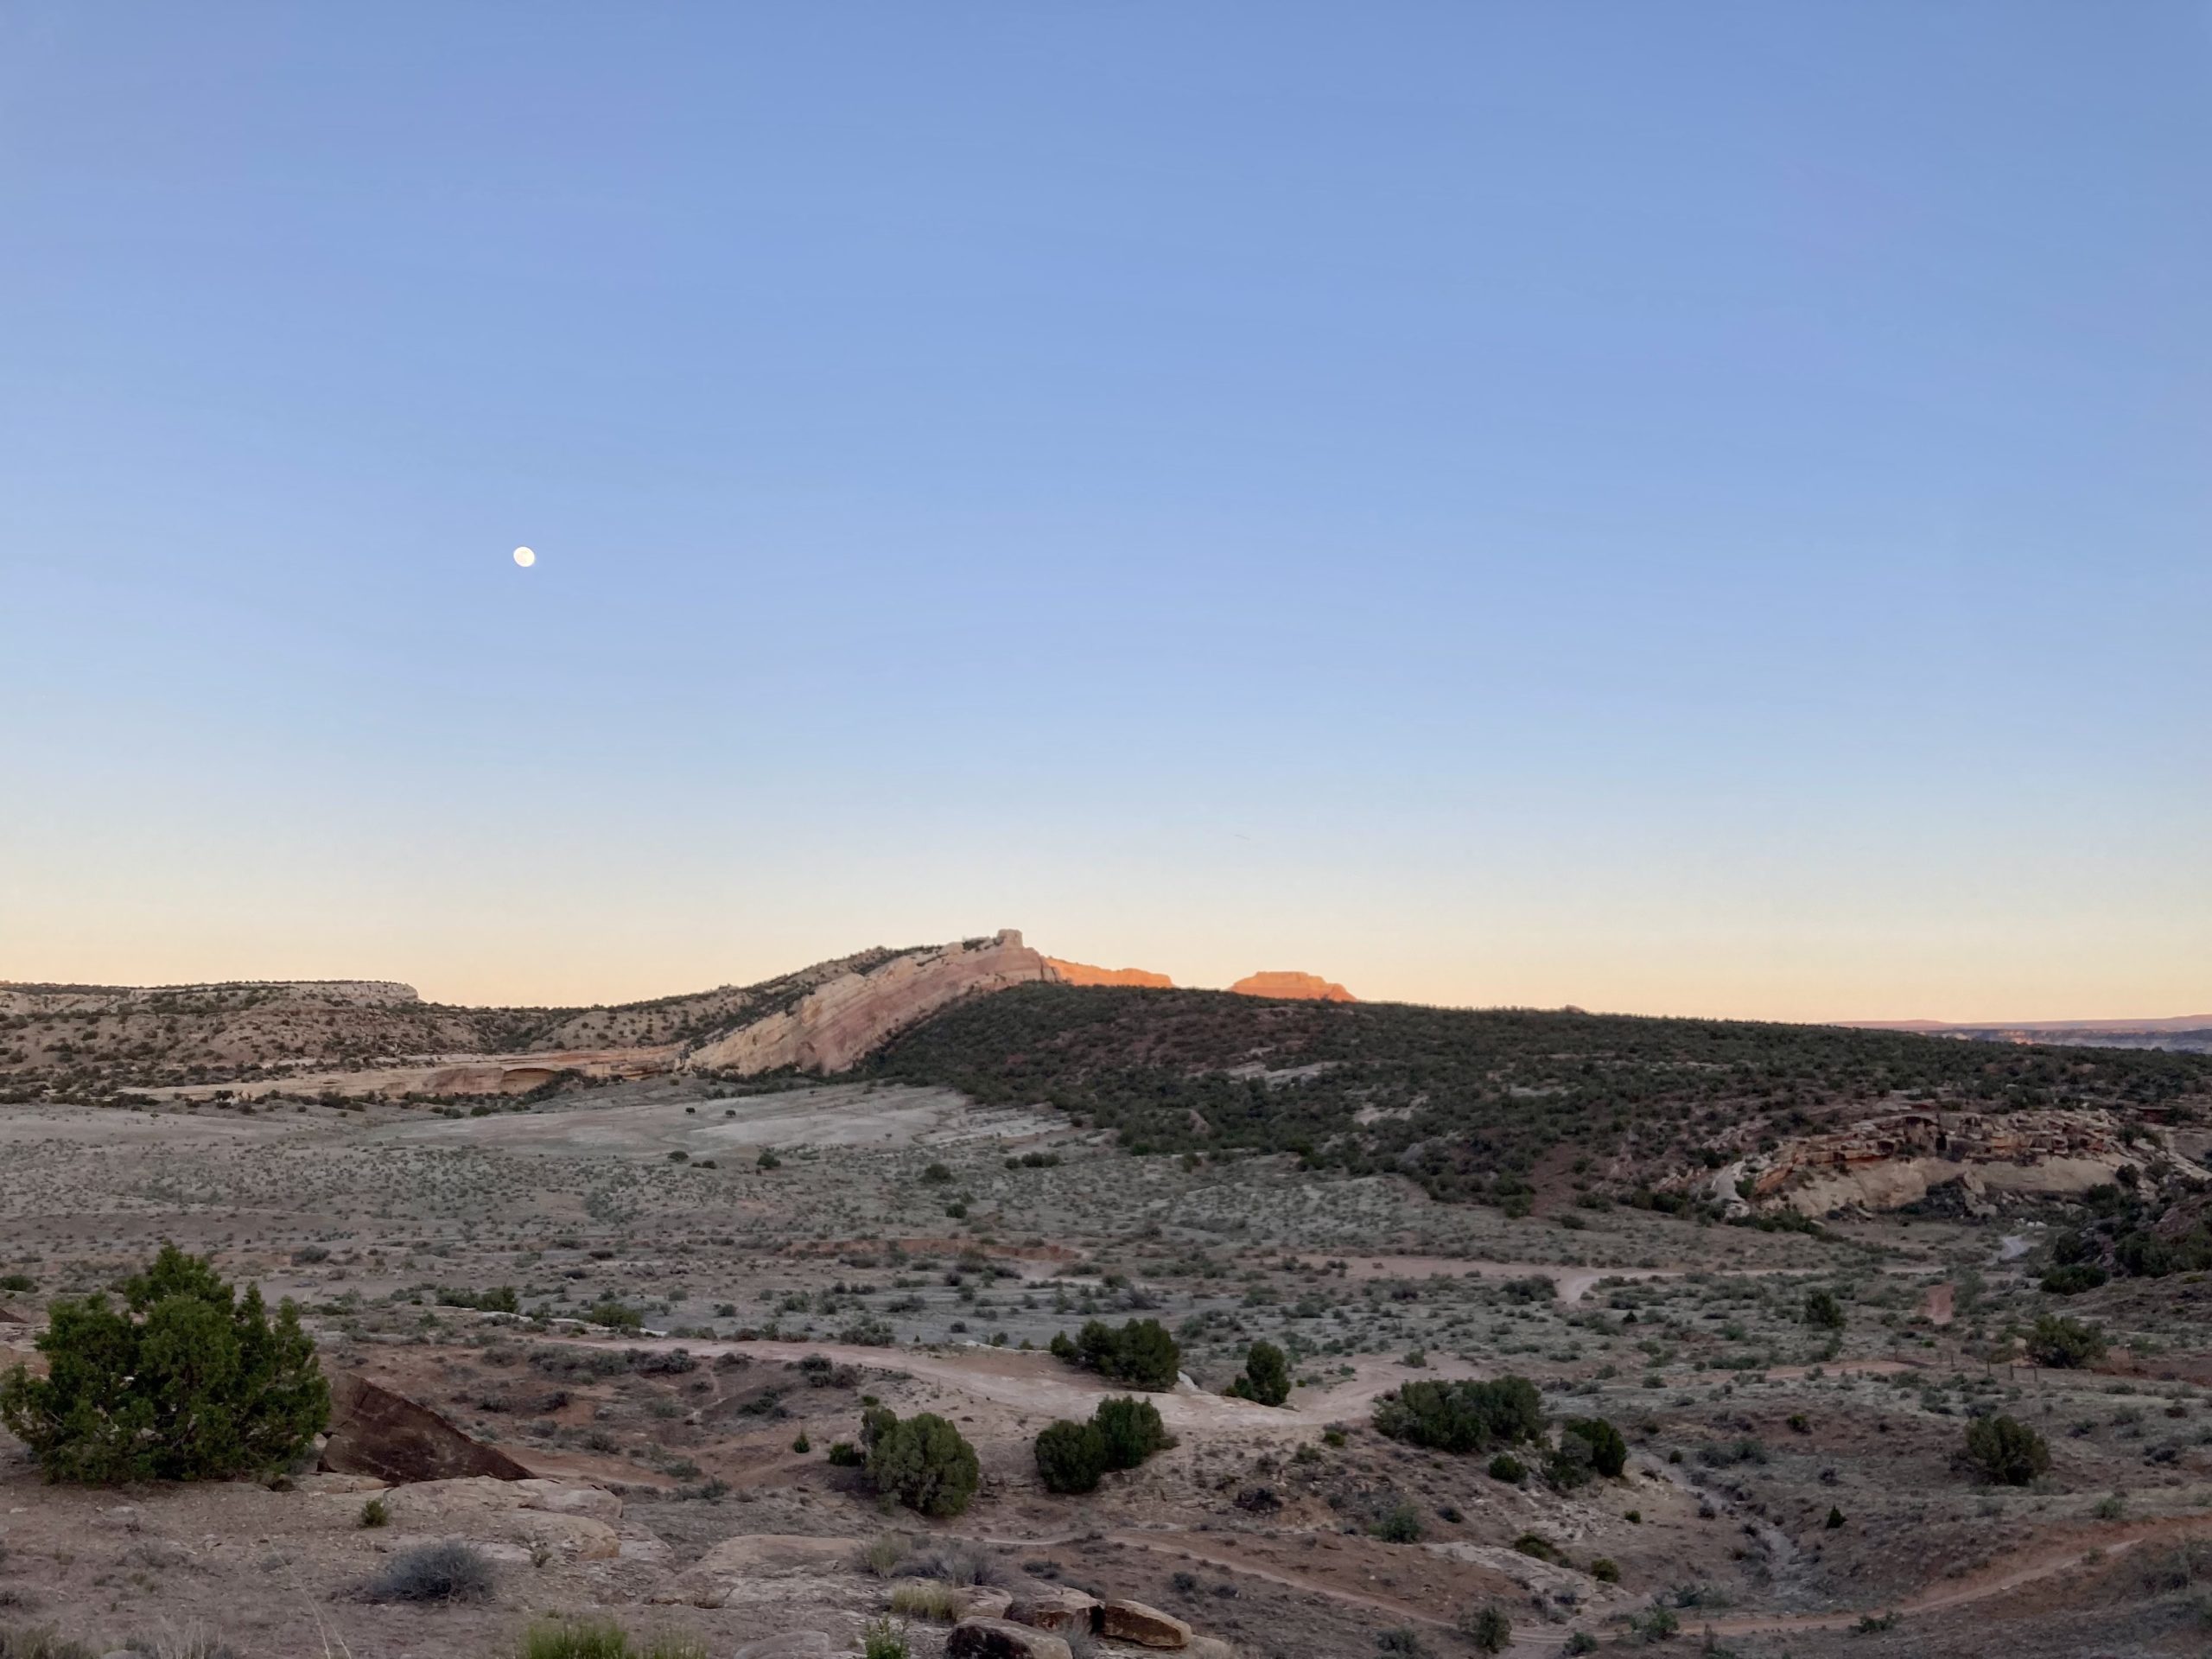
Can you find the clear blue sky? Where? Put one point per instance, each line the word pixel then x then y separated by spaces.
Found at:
pixel 1687 508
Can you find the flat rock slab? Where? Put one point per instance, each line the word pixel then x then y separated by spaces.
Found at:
pixel 794 1645
pixel 737 1566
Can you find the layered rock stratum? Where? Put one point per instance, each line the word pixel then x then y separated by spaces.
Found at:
pixel 831 1028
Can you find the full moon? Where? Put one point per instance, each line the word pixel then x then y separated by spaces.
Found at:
pixel 525 557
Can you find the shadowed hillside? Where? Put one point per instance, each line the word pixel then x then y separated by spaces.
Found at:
pixel 1481 1104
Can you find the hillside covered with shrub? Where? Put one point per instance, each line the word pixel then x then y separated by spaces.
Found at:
pixel 1471 1102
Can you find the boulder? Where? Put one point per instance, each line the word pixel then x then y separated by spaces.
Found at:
pixel 996 1638
pixel 793 1644
pixel 1132 1621
pixel 1053 1607
pixel 376 1432
pixel 566 1498
pixel 980 1601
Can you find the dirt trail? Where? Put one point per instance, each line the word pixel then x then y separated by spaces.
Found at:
pixel 1031 1381
pixel 2031 1566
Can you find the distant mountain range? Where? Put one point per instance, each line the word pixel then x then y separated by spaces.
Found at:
pixel 2189 1031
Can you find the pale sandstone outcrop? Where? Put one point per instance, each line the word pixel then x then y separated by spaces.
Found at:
pixel 1082 973
pixel 749 1567
pixel 557 1517
pixel 838 1023
pixel 1147 1627
pixel 1302 987
pixel 1054 1608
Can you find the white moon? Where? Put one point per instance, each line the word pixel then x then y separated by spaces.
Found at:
pixel 525 557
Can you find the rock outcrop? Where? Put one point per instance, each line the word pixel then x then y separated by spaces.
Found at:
pixel 840 1022
pixel 1147 1627
pixel 376 1432
pixel 1082 973
pixel 754 1569
pixel 526 1519
pixel 1053 1607
pixel 1297 988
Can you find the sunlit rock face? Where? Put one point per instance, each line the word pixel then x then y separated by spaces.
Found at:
pixel 837 1023
pixel 1301 987
pixel 1082 973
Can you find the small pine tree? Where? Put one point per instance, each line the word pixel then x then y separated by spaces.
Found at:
pixel 1070 1457
pixel 1822 1310
pixel 2006 1451
pixel 1267 1375
pixel 185 1380
pixel 1130 1430
pixel 1608 1451
pixel 1488 1628
pixel 922 1461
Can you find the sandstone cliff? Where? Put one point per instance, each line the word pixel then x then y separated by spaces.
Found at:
pixel 1082 973
pixel 834 1026
pixel 1298 988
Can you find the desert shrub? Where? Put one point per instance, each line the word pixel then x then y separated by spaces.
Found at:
pixel 1537 1547
pixel 927 1598
pixel 1141 1353
pixel 1823 1310
pixel 1604 1569
pixel 1462 1416
pixel 376 1513
pixel 1507 1468
pixel 1608 1452
pixel 185 1380
pixel 882 1554
pixel 1070 1457
pixel 501 1300
pixel 43 1642
pixel 843 1454
pixel 1400 1526
pixel 923 1462
pixel 2064 1344
pixel 955 1561
pixel 447 1571
pixel 1267 1375
pixel 1488 1627
pixel 2006 1451
pixel 609 1311
pixel 2072 1278
pixel 1402 1642
pixel 599 1638
pixel 2186 1564
pixel 1131 1430
pixel 883 1640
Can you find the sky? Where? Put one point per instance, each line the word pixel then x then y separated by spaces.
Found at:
pixel 1693 509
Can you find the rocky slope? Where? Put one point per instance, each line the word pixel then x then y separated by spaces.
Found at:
pixel 833 1026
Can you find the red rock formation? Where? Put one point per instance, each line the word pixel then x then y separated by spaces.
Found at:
pixel 1080 973
pixel 376 1432
pixel 1302 987
pixel 837 1023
